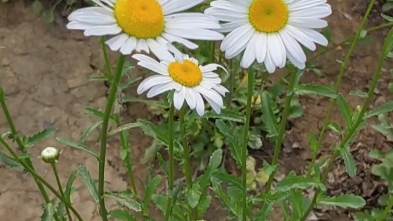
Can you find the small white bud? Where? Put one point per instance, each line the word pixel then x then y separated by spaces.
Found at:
pixel 50 155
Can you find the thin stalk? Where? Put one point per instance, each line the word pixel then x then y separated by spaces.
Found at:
pixel 108 110
pixel 250 91
pixel 281 132
pixel 352 130
pixel 21 146
pixel 171 131
pixel 128 161
pixel 39 178
pixel 213 52
pixel 106 57
pixel 55 171
pixel 186 157
pixel 338 85
pixel 231 84
pixel 332 48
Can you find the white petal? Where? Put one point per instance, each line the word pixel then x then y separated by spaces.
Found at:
pixel 191 98
pixel 172 38
pixel 250 52
pixel 151 64
pixel 178 98
pixel 102 30
pixel 159 89
pixel 214 105
pixel 195 34
pixel 179 5
pixel 293 47
pixel 128 46
pixel 306 22
pixel 211 94
pixel 200 105
pixel 116 42
pixel 161 51
pixel 236 41
pixel 261 47
pixel 142 46
pixel 152 81
pixel 276 50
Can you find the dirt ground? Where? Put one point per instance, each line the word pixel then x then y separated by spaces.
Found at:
pixel 45 69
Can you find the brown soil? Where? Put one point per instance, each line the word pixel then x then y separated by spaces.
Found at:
pixel 45 68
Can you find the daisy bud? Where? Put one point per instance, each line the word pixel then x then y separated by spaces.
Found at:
pixel 50 155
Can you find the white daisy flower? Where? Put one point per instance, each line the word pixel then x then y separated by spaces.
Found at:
pixel 190 81
pixel 145 25
pixel 271 31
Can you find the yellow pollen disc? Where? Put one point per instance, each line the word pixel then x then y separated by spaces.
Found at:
pixel 187 74
pixel 142 19
pixel 268 16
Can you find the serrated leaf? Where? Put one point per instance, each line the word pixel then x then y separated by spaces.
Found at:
pixel 125 201
pixel 89 182
pixel 306 89
pixel 268 116
pixel 233 143
pixel 10 162
pixel 89 131
pixel 78 146
pixel 388 46
pixel 224 115
pixel 123 128
pixel 162 164
pixel 41 136
pixel 298 182
pixel 360 94
pixel 37 6
pixel 121 215
pixel 227 178
pixel 383 109
pixel 49 212
pixel 204 205
pixel 349 162
pixel 68 190
pixel 215 159
pixel 193 195
pixel 343 201
pixel 151 188
pixel 152 130
pixel 345 110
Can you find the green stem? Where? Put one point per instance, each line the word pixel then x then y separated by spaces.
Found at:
pixel 387 210
pixel 213 52
pixel 39 178
pixel 128 161
pixel 171 131
pixel 231 84
pixel 338 85
pixel 332 48
pixel 104 130
pixel 106 57
pixel 250 91
pixel 187 157
pixel 55 171
pixel 281 132
pixel 353 129
pixel 21 146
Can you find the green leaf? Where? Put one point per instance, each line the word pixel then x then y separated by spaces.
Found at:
pixel 345 110
pixel 10 162
pixel 125 201
pixel 151 188
pixel 162 202
pixel 49 212
pixel 78 146
pixel 96 113
pixel 193 195
pixel 48 16
pixel 121 215
pixel 152 130
pixel 68 190
pixel 376 154
pixel 215 159
pixel 360 94
pixel 41 136
pixel 89 182
pixel 162 163
pixel 268 116
pixel 227 178
pixel 224 115
pixel 335 127
pixel 37 6
pixel 123 128
pixel 349 162
pixel 313 142
pixel 343 201
pixel 388 46
pixel 204 205
pixel 298 182
pixel 306 89
pixel 296 111
pixel 89 131
pixel 233 143
pixel 383 109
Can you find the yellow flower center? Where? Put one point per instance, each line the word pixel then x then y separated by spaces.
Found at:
pixel 142 19
pixel 268 16
pixel 187 74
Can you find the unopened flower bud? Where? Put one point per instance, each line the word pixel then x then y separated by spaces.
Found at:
pixel 50 155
